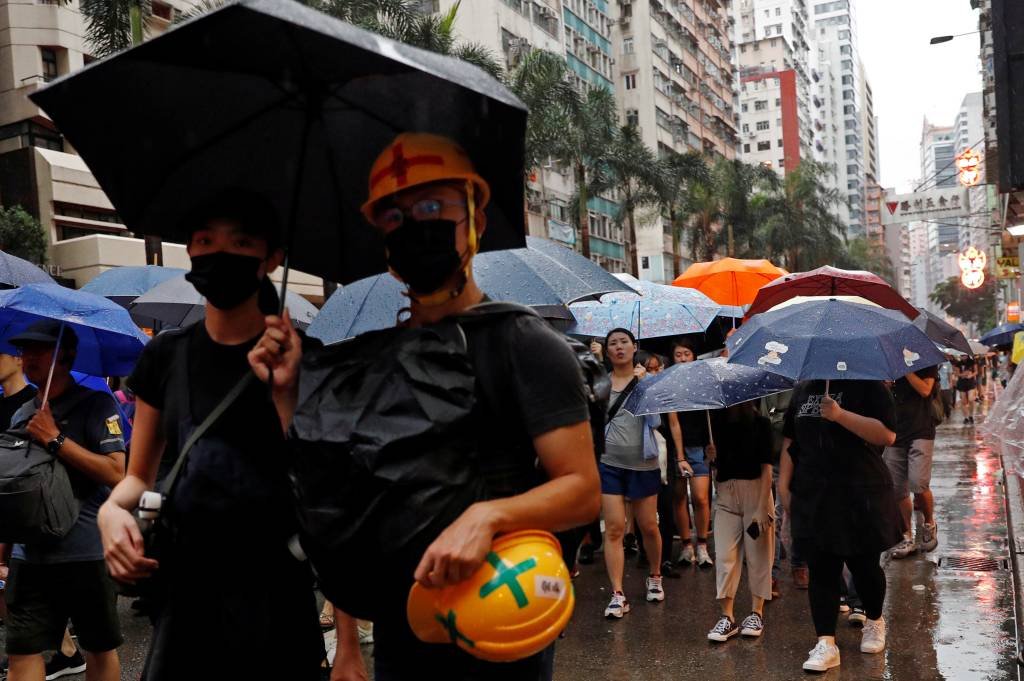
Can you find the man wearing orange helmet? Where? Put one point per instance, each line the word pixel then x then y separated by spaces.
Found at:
pixel 531 409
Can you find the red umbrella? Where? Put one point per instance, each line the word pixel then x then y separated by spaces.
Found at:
pixel 831 281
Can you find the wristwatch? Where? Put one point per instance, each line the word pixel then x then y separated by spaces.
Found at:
pixel 54 445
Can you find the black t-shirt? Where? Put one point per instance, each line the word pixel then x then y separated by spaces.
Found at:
pixel 842 492
pixel 9 404
pixel 694 425
pixel 742 446
pixel 250 426
pixel 913 412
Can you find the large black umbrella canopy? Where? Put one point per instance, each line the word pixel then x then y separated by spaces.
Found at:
pixel 275 97
pixel 942 332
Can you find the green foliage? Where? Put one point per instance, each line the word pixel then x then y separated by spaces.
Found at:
pixel 977 306
pixel 108 23
pixel 541 81
pixel 21 235
pixel 861 254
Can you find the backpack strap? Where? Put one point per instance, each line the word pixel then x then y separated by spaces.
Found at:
pixel 486 309
pixel 621 399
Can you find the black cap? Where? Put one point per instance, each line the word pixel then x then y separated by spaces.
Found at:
pixel 46 331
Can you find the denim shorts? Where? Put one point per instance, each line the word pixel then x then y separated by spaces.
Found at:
pixel 695 457
pixel 633 485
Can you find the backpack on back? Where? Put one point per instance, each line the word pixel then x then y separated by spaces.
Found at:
pixel 37 501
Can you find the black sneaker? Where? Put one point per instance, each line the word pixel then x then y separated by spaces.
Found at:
pixel 586 554
pixel 62 665
pixel 723 631
pixel 669 570
pixel 857 617
pixel 629 544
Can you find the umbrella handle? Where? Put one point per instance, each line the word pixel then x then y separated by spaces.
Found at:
pixel 826 387
pixel 53 365
pixel 711 436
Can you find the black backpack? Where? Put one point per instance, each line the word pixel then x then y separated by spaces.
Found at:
pixel 386 453
pixel 37 501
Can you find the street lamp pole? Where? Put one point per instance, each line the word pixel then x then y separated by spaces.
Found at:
pixel 946 38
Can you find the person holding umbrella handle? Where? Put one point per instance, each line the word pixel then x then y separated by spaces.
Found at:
pixel 839 495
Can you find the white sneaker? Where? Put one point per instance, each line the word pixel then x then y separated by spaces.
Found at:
pixel 365 634
pixel 904 549
pixel 872 640
pixel 822 657
pixel 686 556
pixel 654 590
pixel 617 607
pixel 703 558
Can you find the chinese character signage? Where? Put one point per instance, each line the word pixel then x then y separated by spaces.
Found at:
pixel 936 203
pixel 972 267
pixel 1007 267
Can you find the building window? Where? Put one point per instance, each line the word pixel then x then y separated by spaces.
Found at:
pixel 764 125
pixel 761 105
pixel 630 81
pixel 743 48
pixel 782 162
pixel 645 262
pixel 746 127
pixel 764 146
pixel 746 148
pixel 49 56
pixel 627 46
pixel 632 117
pixel 778 11
pixel 780 143
pixel 743 108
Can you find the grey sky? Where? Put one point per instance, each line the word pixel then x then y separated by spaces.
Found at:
pixel 911 79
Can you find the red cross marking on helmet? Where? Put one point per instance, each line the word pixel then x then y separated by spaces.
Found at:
pixel 400 165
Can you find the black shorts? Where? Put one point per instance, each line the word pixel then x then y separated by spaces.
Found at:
pixel 41 598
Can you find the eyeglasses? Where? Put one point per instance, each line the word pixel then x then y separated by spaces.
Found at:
pixel 421 211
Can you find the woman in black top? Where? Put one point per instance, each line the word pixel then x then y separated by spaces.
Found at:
pixel 744 513
pixel 840 498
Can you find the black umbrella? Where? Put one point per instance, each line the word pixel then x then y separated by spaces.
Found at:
pixel 942 333
pixel 274 97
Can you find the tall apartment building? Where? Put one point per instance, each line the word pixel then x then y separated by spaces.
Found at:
pixel 969 133
pixel 938 150
pixel 897 249
pixel 776 82
pixel 581 32
pixel 835 34
pixel 675 80
pixel 41 40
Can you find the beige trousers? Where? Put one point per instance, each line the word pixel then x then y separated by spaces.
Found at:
pixel 736 503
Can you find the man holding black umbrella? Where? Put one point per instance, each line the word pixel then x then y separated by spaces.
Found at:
pixel 427 200
pixel 48 585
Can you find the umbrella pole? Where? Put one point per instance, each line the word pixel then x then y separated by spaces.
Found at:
pixel 826 386
pixel 711 436
pixel 53 364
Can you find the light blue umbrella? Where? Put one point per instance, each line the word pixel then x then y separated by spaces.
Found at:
pixel 15 271
pixel 124 284
pixel 109 343
pixel 653 311
pixel 832 339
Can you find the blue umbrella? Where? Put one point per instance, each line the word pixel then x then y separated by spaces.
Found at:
pixel 124 284
pixel 528 276
pixel 833 339
pixel 16 272
pixel 704 384
pixel 1001 335
pixel 655 311
pixel 108 340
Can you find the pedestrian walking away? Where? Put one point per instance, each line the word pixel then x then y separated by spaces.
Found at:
pixel 744 516
pixel 840 497
pixel 224 527
pixel 966 385
pixel 517 399
pixel 629 475
pixel 50 583
pixel 918 412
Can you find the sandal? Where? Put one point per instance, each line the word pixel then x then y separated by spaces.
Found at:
pixel 326 621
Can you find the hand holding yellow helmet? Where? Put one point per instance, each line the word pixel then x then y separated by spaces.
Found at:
pixel 514 606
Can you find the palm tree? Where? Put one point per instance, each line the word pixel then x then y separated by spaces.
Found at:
pixel 800 225
pixel 704 211
pixel 680 172
pixel 740 186
pixel 540 80
pixel 633 168
pixel 588 129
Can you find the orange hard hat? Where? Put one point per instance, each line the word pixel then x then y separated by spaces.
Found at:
pixel 514 606
pixel 416 158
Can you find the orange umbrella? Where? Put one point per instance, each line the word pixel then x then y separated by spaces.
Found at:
pixel 729 281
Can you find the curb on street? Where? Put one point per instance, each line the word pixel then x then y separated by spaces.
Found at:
pixel 1014 502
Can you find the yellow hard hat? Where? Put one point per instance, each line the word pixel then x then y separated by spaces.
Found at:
pixel 415 158
pixel 514 606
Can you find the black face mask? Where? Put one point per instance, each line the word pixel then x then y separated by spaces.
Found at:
pixel 423 253
pixel 225 279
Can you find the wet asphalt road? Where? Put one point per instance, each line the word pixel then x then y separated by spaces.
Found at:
pixel 943 623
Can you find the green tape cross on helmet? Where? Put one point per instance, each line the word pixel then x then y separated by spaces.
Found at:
pixel 453 632
pixel 505 574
